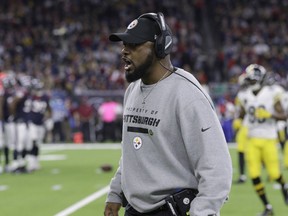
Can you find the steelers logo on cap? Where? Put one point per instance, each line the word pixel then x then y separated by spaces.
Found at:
pixel 137 143
pixel 132 24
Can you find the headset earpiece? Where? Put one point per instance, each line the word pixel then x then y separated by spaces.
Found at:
pixel 163 43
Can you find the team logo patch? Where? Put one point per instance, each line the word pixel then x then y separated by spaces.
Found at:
pixel 132 24
pixel 137 142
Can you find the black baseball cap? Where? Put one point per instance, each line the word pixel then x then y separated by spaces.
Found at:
pixel 138 31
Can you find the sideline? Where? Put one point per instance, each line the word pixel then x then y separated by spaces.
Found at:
pixel 83 202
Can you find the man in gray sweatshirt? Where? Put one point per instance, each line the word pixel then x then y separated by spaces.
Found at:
pixel 172 139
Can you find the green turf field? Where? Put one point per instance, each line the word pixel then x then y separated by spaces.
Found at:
pixel 71 183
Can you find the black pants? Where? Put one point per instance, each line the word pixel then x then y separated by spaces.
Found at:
pixel 159 212
pixel 85 129
pixel 58 132
pixel 109 129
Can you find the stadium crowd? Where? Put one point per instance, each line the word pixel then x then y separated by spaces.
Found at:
pixel 65 44
pixel 250 32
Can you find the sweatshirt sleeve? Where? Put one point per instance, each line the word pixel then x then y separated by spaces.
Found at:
pixel 115 193
pixel 209 157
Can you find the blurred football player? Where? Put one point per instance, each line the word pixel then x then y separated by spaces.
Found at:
pixel 263 109
pixel 240 127
pixel 20 107
pixel 9 83
pixel 40 111
pixel 286 153
pixel 284 101
pixel 275 79
pixel 2 75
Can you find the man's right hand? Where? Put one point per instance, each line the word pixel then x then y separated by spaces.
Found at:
pixel 112 209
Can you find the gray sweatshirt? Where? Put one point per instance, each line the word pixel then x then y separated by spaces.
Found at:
pixel 171 142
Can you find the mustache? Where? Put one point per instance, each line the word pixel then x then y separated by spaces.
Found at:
pixel 126 59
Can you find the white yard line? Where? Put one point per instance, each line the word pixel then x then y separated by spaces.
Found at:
pixel 50 157
pixel 69 146
pixel 83 202
pixel 52 148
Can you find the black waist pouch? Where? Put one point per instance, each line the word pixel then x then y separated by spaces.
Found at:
pixel 179 203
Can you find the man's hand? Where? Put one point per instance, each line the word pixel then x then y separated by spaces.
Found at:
pixel 261 113
pixel 112 209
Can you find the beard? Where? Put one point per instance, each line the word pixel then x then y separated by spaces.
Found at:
pixel 139 71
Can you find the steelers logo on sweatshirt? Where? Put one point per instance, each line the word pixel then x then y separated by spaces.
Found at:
pixel 137 143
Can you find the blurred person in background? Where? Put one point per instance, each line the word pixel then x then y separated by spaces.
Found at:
pixel 40 112
pixel 109 113
pixel 284 101
pixel 3 147
pixel 226 112
pixel 60 113
pixel 274 79
pixel 20 107
pixel 10 86
pixel 271 79
pixel 263 108
pixel 85 113
pixel 240 127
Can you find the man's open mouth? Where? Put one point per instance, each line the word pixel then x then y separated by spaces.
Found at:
pixel 128 63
